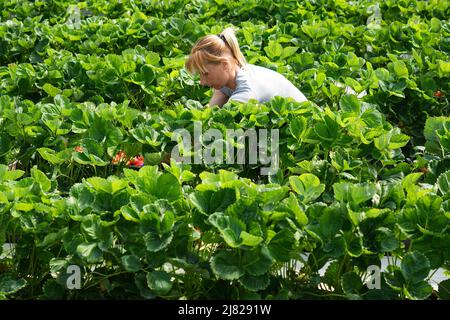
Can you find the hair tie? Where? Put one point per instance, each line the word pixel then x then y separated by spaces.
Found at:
pixel 221 36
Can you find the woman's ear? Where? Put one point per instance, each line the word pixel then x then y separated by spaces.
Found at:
pixel 226 64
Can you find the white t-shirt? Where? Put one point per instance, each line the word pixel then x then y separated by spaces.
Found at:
pixel 262 84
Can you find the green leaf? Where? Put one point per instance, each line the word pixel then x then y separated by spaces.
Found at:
pixel 327 131
pixel 71 241
pixel 8 175
pixel 351 283
pixel 100 184
pixel 110 185
pixel 146 178
pixel 41 179
pixel 93 228
pixel 155 242
pixel 81 194
pixel 152 58
pixel 158 217
pixel 425 217
pixel 443 68
pixel 51 90
pixel 387 239
pixel 140 281
pixel 444 290
pixel 90 251
pixel 117 184
pixel 250 239
pixel 144 78
pixel 210 201
pixel 231 237
pixel 226 265
pixel 398 140
pixel 114 138
pixel 131 263
pixel 443 183
pixel 159 282
pixel 289 52
pixel 350 103
pixel 130 213
pixel 267 194
pixel 410 180
pixel 280 246
pixel 391 140
pixel 362 192
pixel 293 205
pixel 434 126
pixel 297 127
pixel 394 278
pixel 3 200
pixel 52 238
pixel 10 285
pixel 354 193
pixel 257 261
pixel 330 222
pixel 146 135
pixel 147 75
pixel 58 265
pixel 274 50
pixel 254 283
pixel 230 228
pixel 53 290
pixel 355 247
pixel 88 159
pixel 435 25
pixel 139 201
pixel 22 206
pixel 222 179
pixel 166 186
pixel 115 61
pixel 315 31
pixel 335 247
pixel 400 69
pixel 418 291
pixel 52 156
pixel 307 186
pixel 415 267
pixel 354 84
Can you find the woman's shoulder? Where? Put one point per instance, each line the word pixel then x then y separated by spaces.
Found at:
pixel 259 71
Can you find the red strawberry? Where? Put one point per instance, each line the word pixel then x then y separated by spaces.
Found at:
pixel 78 149
pixel 120 157
pixel 438 94
pixel 423 170
pixel 137 161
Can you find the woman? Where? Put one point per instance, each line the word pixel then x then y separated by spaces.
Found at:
pixel 222 66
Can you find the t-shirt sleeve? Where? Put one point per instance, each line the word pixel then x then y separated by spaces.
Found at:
pixel 242 94
pixel 226 91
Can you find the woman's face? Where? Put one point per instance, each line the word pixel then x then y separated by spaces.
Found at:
pixel 217 75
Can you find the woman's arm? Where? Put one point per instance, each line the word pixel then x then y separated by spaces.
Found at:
pixel 218 98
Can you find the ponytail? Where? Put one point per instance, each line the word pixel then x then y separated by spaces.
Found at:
pixel 213 49
pixel 229 37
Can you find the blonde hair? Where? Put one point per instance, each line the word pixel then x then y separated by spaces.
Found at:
pixel 213 49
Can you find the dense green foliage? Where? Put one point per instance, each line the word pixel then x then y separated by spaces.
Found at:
pixel 364 164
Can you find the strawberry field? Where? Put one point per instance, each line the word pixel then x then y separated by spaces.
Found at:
pixel 93 92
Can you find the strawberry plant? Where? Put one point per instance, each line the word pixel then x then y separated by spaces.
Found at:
pixel 94 99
